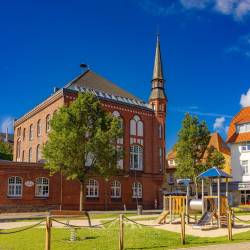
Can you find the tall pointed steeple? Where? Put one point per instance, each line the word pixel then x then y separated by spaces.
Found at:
pixel 157 73
pixel 157 91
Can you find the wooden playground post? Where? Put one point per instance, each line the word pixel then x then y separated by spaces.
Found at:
pixel 202 195
pixel 229 224
pixel 170 208
pixel 48 233
pixel 121 233
pixel 219 204
pixel 183 228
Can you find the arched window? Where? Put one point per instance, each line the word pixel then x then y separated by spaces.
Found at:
pixel 136 126
pixel 137 190
pixel 117 114
pixel 31 132
pixel 42 187
pixel 116 189
pixel 47 123
pixel 18 150
pixel 136 157
pixel 15 186
pixel 23 155
pixel 39 128
pixel 30 154
pixel 38 153
pixel 92 189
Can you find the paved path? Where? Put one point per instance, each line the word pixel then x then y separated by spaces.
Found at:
pixel 233 246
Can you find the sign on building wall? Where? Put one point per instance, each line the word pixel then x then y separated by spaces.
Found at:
pixel 29 183
pixel 244 186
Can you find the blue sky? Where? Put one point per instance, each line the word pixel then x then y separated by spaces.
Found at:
pixel 205 48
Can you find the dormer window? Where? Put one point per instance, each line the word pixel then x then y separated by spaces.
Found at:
pixel 242 128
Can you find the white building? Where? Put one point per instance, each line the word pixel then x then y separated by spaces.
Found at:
pixel 239 140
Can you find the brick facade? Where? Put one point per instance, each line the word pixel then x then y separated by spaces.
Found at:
pixel 143 125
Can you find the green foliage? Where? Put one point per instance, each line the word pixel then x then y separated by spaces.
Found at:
pixel 82 141
pixel 6 151
pixel 191 146
pixel 214 158
pixel 192 142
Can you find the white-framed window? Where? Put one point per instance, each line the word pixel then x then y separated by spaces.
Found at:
pixel 38 153
pixel 136 126
pixel 245 146
pixel 244 167
pixel 137 190
pixel 120 161
pixel 171 163
pixel 117 115
pixel 39 128
pixel 31 132
pixel 15 186
pixel 242 128
pixel 92 188
pixel 47 123
pixel 136 157
pixel 30 154
pixel 116 189
pixel 42 187
pixel 18 150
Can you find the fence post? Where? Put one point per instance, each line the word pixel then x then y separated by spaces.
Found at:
pixel 183 228
pixel 121 233
pixel 229 224
pixel 48 232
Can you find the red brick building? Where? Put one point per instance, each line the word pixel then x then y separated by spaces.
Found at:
pixel 26 184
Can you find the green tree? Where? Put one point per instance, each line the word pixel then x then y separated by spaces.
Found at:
pixel 214 158
pixel 193 139
pixel 83 141
pixel 6 152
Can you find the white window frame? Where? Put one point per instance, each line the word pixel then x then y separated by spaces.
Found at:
pixel 245 147
pixel 136 154
pixel 244 166
pixel 92 189
pixel 116 189
pixel 243 128
pixel 137 190
pixel 136 126
pixel 42 187
pixel 15 186
pixel 117 115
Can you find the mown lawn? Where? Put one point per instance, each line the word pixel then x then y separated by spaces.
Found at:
pixel 107 239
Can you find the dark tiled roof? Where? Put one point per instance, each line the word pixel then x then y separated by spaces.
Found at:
pixel 103 88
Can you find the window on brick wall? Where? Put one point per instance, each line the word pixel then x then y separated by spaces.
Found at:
pixel 15 186
pixel 30 154
pixel 161 158
pixel 116 189
pixel 23 155
pixel 47 123
pixel 42 187
pixel 18 150
pixel 39 128
pixel 92 189
pixel 160 131
pixel 31 132
pixel 38 153
pixel 24 133
pixel 136 126
pixel 137 190
pixel 136 157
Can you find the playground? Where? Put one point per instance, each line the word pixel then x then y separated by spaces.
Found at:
pixel 185 221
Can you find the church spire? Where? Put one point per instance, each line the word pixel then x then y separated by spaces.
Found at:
pixel 157 91
pixel 158 73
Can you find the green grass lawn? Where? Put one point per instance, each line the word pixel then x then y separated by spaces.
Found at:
pixel 107 239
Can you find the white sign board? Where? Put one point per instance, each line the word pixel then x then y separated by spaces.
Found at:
pixel 29 183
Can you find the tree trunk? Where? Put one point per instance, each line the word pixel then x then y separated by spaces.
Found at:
pixel 196 188
pixel 81 196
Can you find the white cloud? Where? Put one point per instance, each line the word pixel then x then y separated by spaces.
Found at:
pixel 238 9
pixel 219 124
pixel 245 99
pixel 198 4
pixel 6 122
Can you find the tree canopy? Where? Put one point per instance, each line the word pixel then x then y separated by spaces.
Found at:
pixel 83 141
pixel 6 152
pixel 193 140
